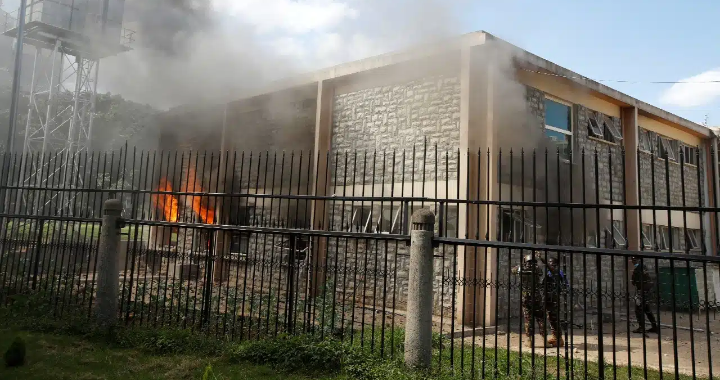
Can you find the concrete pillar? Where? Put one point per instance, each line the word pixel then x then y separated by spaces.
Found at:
pixel 106 298
pixel 476 136
pixel 629 117
pixel 418 326
pixel 632 187
pixel 319 212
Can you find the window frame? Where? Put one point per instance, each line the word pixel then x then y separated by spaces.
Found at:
pixel 614 132
pixel 594 129
pixel 664 235
pixel 571 122
pixel 648 140
pixel 692 243
pixel 650 239
pixel 690 151
pixel 665 148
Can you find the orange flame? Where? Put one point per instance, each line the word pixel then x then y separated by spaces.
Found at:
pixel 166 203
pixel 206 214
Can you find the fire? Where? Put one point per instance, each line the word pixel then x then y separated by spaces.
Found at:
pixel 206 214
pixel 166 203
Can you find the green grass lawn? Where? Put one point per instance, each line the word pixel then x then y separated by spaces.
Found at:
pixel 64 357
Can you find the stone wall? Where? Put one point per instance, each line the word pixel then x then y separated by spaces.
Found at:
pixel 655 175
pixel 421 114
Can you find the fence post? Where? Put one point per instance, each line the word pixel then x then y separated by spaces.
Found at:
pixel 106 297
pixel 418 327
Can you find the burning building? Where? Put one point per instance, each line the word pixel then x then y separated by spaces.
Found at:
pixel 452 102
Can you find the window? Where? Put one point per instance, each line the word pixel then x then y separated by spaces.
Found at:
pixel 240 243
pixel 690 155
pixel 665 148
pixel 391 220
pixel 558 126
pixel 663 238
pixel 513 225
pixel 594 128
pixel 676 233
pixel 450 221
pixel 361 219
pixel 612 133
pixel 645 140
pixel 648 236
pixel 592 241
pixel 692 240
pixel 615 238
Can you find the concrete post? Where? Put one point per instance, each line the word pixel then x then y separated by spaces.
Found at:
pixel 418 326
pixel 106 297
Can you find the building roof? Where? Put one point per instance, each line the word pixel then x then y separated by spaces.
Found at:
pixel 476 39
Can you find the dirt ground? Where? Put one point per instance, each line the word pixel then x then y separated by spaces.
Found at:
pixel 656 351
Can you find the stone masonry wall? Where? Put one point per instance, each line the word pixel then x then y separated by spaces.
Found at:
pixel 397 118
pixel 655 175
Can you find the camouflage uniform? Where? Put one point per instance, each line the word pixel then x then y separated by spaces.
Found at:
pixel 532 299
pixel 644 296
pixel 553 287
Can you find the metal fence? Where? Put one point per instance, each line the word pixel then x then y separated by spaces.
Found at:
pixel 251 245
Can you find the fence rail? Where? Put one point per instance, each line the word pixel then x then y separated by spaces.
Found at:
pixel 249 246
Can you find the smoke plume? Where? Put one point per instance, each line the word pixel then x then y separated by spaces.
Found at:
pixel 195 51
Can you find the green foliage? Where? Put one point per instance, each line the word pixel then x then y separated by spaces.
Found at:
pixel 168 342
pixel 15 354
pixel 293 353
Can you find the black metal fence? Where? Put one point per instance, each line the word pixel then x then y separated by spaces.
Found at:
pixel 251 245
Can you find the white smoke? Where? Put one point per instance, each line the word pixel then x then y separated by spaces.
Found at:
pixel 193 51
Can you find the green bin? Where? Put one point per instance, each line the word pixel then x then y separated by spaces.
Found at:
pixel 686 290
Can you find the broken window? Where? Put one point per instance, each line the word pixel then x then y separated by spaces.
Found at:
pixel 594 128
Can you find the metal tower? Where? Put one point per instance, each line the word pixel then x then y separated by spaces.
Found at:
pixel 70 38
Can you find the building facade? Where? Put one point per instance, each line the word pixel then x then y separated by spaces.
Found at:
pixel 475 119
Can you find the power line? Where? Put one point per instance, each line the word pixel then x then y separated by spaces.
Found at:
pixel 624 81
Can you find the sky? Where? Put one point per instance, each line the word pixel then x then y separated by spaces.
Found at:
pixel 638 41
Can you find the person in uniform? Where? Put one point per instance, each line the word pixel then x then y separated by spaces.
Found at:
pixel 533 300
pixel 555 286
pixel 644 296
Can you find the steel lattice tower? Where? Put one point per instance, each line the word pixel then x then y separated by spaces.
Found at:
pixel 70 40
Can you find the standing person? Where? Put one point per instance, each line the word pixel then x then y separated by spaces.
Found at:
pixel 644 295
pixel 531 296
pixel 554 285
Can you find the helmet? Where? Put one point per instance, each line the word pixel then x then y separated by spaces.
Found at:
pixel 529 258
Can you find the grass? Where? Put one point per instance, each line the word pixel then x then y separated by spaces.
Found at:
pixel 64 357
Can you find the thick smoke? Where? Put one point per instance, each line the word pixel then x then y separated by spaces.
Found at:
pixel 193 51
pixel 186 53
pixel 522 144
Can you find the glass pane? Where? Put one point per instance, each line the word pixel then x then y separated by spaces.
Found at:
pixel 562 141
pixel 557 115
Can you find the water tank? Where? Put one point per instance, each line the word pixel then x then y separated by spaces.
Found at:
pixel 82 17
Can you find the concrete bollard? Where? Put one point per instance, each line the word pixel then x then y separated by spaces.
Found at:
pixel 106 297
pixel 418 326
